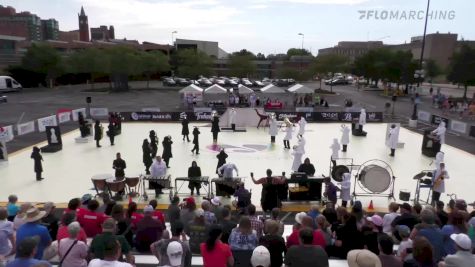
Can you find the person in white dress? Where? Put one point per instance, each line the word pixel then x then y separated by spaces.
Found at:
pixel 440 132
pixel 302 142
pixel 298 153
pixel 302 124
pixel 288 133
pixel 273 130
pixel 345 193
pixel 232 119
pixel 345 137
pixel 392 139
pixel 362 119
pixel 335 147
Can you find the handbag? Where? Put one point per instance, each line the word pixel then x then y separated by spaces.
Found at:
pixel 67 252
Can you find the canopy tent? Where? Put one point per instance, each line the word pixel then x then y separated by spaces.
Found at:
pixel 300 89
pixel 272 89
pixel 191 89
pixel 244 90
pixel 215 89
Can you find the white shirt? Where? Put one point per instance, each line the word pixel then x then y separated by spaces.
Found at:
pixel 387 220
pixel 158 169
pixel 441 187
pixel 227 170
pixel 403 246
pixel 104 263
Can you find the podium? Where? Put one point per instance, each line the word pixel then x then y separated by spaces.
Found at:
pixel 357 129
pixel 430 147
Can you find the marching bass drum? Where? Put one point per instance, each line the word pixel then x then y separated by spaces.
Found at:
pixel 375 178
pixel 338 171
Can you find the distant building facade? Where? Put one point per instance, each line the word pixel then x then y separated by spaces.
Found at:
pixel 103 33
pixel 50 29
pixel 83 26
pixel 351 50
pixel 23 24
pixel 69 36
pixel 208 47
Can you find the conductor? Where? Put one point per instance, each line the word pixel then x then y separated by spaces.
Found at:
pixel 270 190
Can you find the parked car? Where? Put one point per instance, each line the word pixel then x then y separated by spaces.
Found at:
pixel 205 82
pixel 8 84
pixel 220 82
pixel 246 82
pixel 258 83
pixel 169 82
pixel 183 81
pixel 266 81
pixel 337 81
pixel 284 82
pixel 230 82
pixel 3 99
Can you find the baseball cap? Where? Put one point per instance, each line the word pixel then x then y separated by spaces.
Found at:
pixel 108 224
pixel 190 200
pixel 462 240
pixel 376 219
pixel 299 216
pixel 216 201
pixel 403 230
pixel 199 212
pixel 174 253
pixel 260 257
pixel 85 198
pixel 148 208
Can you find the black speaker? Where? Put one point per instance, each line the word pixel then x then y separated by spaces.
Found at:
pixel 89 100
pixel 394 98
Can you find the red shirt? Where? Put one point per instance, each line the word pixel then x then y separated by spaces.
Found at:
pixel 218 257
pixel 63 233
pixel 136 218
pixel 158 215
pixel 318 239
pixel 91 221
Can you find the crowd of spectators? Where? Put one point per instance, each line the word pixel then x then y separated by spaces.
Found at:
pixel 88 233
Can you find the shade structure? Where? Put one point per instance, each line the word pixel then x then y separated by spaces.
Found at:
pixel 215 89
pixel 300 89
pixel 244 90
pixel 191 89
pixel 272 89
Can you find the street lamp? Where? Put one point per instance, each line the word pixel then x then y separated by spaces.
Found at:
pixel 424 39
pixel 303 37
pixel 173 34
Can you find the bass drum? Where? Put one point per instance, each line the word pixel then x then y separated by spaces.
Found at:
pixel 338 171
pixel 375 178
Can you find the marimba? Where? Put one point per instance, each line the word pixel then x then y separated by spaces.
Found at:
pixel 202 180
pixel 225 186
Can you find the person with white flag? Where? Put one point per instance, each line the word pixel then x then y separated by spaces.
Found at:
pixel 298 153
pixel 301 142
pixel 273 130
pixel 288 133
pixel 232 119
pixel 302 124
pixel 345 137
pixel 393 139
pixel 335 147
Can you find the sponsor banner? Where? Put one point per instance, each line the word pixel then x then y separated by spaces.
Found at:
pixel 6 133
pixel 64 117
pixel 75 113
pixel 202 109
pixel 46 121
pixel 304 109
pixel 370 116
pixel 472 131
pixel 437 119
pixel 165 116
pixel 423 116
pixel 458 126
pixel 99 112
pixel 150 109
pixel 27 127
pixel 326 116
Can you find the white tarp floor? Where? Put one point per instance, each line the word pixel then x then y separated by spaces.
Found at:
pixel 68 172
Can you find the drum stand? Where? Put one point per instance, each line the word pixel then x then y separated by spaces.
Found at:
pixel 419 185
pixel 362 172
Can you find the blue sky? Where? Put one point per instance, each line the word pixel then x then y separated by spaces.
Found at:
pixel 266 26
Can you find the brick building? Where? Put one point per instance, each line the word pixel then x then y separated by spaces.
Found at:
pixel 102 33
pixel 83 26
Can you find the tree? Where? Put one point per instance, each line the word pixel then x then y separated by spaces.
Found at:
pixel 241 66
pixel 260 56
pixel 461 68
pixel 244 52
pixel 277 57
pixel 298 52
pixel 191 63
pixel 45 60
pixel 431 69
pixel 330 63
pixel 90 61
pixel 153 62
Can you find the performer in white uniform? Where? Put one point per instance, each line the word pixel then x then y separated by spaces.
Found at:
pixel 288 133
pixel 345 193
pixel 298 153
pixel 439 158
pixel 232 119
pixel 438 182
pixel 158 170
pixel 392 139
pixel 302 142
pixel 345 136
pixel 273 130
pixel 335 148
pixel 302 124
pixel 440 132
pixel 362 119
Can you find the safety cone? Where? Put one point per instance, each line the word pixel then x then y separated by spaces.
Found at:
pixel 370 206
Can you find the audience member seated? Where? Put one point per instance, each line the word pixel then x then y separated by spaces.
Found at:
pixel 363 258
pixel 7 235
pixel 261 257
pixel 215 253
pixel 132 215
pixel 173 211
pixel 405 247
pixel 112 254
pixel 19 219
pixel 32 227
pixel 274 242
pixel 330 213
pixel 90 219
pixel 457 225
pixel 227 224
pixel 386 255
pixel 406 218
pixel 197 230
pixel 306 222
pixel 347 238
pixel 389 218
pixel 187 214
pixel 217 208
pixel 442 216
pixel 210 217
pixel 159 248
pixel 157 215
pixel 324 227
pixel 73 205
pixel 463 257
pixel 432 232
pixel 26 253
pixel 50 220
pixel 306 254
pixel 422 254
pixel 100 245
pixel 63 228
pixel 124 226
pixel 12 207
pixel 314 212
pixel 372 231
pixel 256 223
pixel 71 251
pixel 148 231
pixel 243 237
pixel 274 216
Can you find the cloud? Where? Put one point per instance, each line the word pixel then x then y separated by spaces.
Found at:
pixel 319 2
pixel 258 6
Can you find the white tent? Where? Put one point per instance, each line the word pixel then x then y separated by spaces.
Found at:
pixel 191 89
pixel 272 89
pixel 215 89
pixel 244 90
pixel 300 89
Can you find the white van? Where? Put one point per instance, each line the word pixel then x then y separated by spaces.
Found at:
pixel 8 84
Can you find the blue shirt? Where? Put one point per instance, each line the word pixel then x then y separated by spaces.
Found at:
pixel 34 229
pixel 12 209
pixel 26 263
pixel 239 241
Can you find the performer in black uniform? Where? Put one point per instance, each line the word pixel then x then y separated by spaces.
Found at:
pixel 153 143
pixel 147 157
pixel 83 126
pixel 111 132
pixel 167 149
pixel 194 172
pixel 98 133
pixel 36 156
pixel 196 134
pixel 215 128
pixel 184 130
pixel 221 159
pixel 307 167
pixel 119 165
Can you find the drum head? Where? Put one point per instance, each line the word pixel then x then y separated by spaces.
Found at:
pixel 338 171
pixel 375 178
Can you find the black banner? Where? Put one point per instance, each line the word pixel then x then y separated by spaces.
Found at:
pixel 437 119
pixel 472 131
pixel 165 116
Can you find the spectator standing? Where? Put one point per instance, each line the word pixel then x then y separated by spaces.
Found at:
pixel 256 224
pixel 428 229
pixel 227 225
pixel 90 219
pixel 148 231
pixel 71 251
pixel 457 225
pixel 32 227
pixel 133 215
pixel 274 242
pixel 173 211
pixel 422 254
pixel 214 252
pixel 26 252
pixel 124 226
pixel 7 235
pixel 389 218
pixel 347 238
pixel 197 231
pixel 306 254
pixel 112 254
pixel 388 259
pixel 157 215
pixel 261 257
pixel 50 220
pixel 12 207
pixel 187 214
pixel 159 248
pixel 441 214
pixel 274 216
pixel 210 218
pixel 405 247
pixel 243 237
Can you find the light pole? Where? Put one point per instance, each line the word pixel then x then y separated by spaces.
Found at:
pixel 424 40
pixel 173 34
pixel 301 56
pixel 175 46
pixel 303 37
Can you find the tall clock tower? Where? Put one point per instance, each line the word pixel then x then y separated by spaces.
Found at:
pixel 83 26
